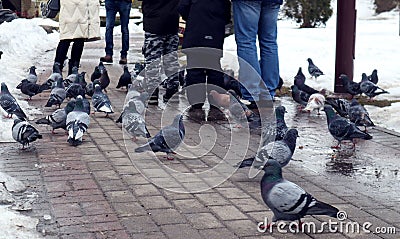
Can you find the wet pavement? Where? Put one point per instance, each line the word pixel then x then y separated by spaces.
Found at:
pixel 102 189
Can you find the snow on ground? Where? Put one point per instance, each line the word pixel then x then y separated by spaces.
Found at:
pixel 17 226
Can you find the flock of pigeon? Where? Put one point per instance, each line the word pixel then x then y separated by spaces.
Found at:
pixel 287 200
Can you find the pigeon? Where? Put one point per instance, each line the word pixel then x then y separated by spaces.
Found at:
pixel 75 88
pixel 86 105
pixel 57 94
pixel 31 89
pixel 81 79
pixel 299 81
pixel 340 105
pixel 281 151
pixel 56 74
pixel 32 76
pixel 374 77
pixel 351 87
pixel 96 73
pixel 287 200
pixel 139 105
pixel 125 79
pixel 24 133
pixel 58 119
pixel 274 129
pixel 101 102
pixel 104 80
pixel 342 128
pixel 316 101
pixel 89 89
pixel 299 96
pixel 359 115
pixel 313 69
pixel 72 77
pixel 138 67
pixel 370 89
pixel 1 53
pixel 133 122
pixel 167 139
pixel 9 103
pixel 77 123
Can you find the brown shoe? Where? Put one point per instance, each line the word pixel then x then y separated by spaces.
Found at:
pixel 123 61
pixel 106 58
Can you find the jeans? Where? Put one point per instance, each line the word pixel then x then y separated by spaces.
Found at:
pixel 252 19
pixel 124 9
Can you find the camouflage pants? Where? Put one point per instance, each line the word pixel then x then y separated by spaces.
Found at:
pixel 160 53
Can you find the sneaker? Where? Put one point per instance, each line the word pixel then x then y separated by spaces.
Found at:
pixel 153 100
pixel 171 96
pixel 123 60
pixel 106 58
pixel 215 114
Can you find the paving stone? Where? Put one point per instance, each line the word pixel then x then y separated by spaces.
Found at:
pixel 189 206
pixel 228 212
pixel 218 233
pixel 204 220
pixel 243 227
pixel 212 199
pixel 180 231
pixel 167 216
pixel 154 202
pixel 139 224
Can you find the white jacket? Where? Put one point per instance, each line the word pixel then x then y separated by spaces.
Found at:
pixel 79 19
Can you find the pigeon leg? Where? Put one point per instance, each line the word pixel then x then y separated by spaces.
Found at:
pixel 238 126
pixel 134 139
pixel 337 146
pixel 52 131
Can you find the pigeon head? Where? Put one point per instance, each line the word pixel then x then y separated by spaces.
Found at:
pixel 330 113
pixel 364 77
pixel 344 78
pixel 280 112
pixel 79 103
pixel 4 88
pixel 59 83
pixel 57 67
pixel 273 170
pixel 70 106
pixel 23 82
pixel 125 68
pixel 294 88
pixel 32 69
pixel 1 53
pixel 309 60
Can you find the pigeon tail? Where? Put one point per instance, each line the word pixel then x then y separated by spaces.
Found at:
pixel 43 121
pixel 143 148
pixel 360 134
pixel 321 208
pixel 245 163
pixel 34 137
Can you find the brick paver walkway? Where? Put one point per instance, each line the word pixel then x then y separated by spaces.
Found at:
pixel 94 190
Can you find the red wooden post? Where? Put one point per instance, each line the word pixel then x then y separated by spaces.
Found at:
pixel 345 41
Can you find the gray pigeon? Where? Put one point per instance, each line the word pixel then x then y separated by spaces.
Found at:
pixel 340 105
pixel 374 77
pixel 24 133
pixel 133 122
pixel 75 88
pixel 72 77
pixel 281 151
pixel 31 89
pixel 370 89
pixel 125 79
pixel 299 96
pixel 32 76
pixel 313 69
pixel 58 119
pixel 57 94
pixel 77 123
pixel 351 87
pixel 101 102
pixel 359 115
pixel 96 73
pixel 9 103
pixel 139 104
pixel 167 139
pixel 342 128
pixel 287 200
pixel 299 81
pixel 276 130
pixel 55 75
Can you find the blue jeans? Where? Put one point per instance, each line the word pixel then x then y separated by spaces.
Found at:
pixel 124 9
pixel 252 19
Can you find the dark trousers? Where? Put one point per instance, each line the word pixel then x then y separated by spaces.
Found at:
pixel 203 74
pixel 76 51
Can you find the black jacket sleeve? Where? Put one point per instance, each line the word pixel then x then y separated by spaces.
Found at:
pixel 184 8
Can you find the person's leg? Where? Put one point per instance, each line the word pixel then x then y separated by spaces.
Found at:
pixel 124 12
pixel 246 17
pixel 152 51
pixel 196 87
pixel 267 35
pixel 111 12
pixel 76 53
pixel 61 52
pixel 171 65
